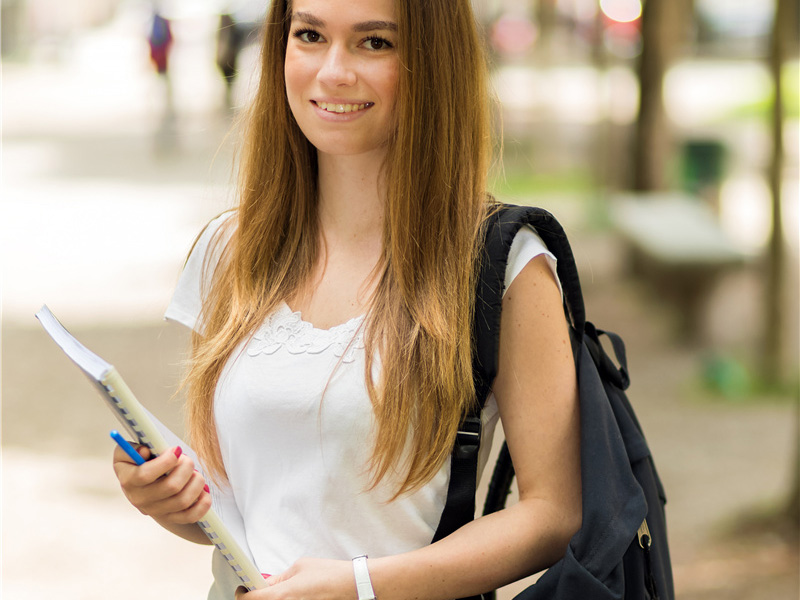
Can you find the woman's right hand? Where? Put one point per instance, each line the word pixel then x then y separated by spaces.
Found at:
pixel 167 488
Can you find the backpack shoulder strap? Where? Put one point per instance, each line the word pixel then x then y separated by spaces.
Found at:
pixel 502 225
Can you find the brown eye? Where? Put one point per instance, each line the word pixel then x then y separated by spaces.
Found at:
pixel 309 36
pixel 378 43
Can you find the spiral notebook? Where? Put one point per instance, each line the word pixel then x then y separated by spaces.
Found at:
pixel 146 429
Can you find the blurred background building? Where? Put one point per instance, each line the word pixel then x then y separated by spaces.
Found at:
pixel 662 133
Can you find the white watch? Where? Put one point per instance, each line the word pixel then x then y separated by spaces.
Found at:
pixel 363 582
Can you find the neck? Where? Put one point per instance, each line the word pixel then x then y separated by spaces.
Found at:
pixel 351 197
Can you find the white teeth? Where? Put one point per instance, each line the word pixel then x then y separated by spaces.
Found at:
pixel 342 108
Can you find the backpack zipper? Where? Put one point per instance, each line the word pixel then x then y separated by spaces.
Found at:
pixel 649 577
pixel 644 532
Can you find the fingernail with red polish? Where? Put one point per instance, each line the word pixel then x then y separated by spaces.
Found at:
pixel 178 452
pixel 205 487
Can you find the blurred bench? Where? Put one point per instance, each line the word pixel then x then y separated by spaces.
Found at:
pixel 676 244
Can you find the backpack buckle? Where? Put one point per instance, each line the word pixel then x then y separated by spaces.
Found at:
pixel 468 438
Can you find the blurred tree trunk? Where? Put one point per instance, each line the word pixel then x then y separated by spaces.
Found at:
pixel 546 21
pixel 664 26
pixel 602 150
pixel 773 358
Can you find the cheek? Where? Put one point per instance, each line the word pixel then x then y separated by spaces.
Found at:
pixel 289 74
pixel 294 76
pixel 389 82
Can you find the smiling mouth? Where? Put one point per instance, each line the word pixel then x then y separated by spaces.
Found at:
pixel 333 107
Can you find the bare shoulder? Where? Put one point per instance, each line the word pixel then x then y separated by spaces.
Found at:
pixel 533 304
pixel 536 282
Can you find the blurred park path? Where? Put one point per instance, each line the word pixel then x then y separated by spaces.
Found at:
pixel 100 205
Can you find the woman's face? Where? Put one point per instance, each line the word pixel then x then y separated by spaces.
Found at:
pixel 341 73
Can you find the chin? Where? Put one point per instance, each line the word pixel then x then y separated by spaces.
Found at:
pixel 347 147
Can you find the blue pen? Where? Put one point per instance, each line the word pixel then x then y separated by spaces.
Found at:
pixel 129 450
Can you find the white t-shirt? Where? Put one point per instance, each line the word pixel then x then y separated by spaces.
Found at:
pixel 294 422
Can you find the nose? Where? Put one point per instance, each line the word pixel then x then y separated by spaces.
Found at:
pixel 338 68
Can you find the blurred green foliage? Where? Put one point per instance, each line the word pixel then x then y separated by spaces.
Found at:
pixel 521 182
pixel 762 109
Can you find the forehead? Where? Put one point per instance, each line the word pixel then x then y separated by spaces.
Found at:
pixel 343 11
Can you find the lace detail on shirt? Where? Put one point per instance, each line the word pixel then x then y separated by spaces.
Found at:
pixel 286 329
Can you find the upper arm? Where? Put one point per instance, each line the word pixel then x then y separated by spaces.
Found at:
pixel 536 389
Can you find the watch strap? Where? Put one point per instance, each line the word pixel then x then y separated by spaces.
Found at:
pixel 363 581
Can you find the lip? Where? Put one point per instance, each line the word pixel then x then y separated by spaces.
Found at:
pixel 339 117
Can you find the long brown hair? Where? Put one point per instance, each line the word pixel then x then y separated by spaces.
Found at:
pixel 419 322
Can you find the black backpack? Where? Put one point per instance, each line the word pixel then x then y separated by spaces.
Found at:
pixel 621 550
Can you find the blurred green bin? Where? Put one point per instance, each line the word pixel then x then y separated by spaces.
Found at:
pixel 703 164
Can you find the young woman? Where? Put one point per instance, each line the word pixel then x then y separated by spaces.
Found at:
pixel 331 358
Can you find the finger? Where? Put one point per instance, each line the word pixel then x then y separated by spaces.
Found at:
pixel 140 483
pixel 183 508
pixel 240 592
pixel 156 468
pixel 188 503
pixel 122 463
pixel 193 513
pixel 176 479
pixel 280 577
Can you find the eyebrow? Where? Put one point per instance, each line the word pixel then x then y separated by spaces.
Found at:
pixel 363 26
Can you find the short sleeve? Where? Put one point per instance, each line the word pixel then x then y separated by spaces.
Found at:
pixel 187 300
pixel 526 246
